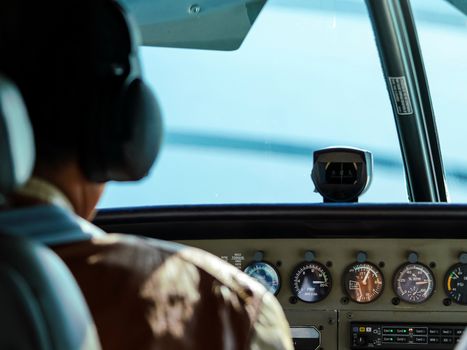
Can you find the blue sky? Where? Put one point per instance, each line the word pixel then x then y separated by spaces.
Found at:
pixel 307 76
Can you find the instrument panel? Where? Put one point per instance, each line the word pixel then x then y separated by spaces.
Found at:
pixel 329 284
pixel 344 274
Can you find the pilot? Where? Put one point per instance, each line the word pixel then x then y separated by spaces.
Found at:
pixel 95 120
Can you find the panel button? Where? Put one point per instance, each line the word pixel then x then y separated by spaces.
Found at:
pixel 433 340
pixel 458 332
pixel 402 339
pixel 456 340
pixel 446 340
pixel 420 340
pixel 402 331
pixel 388 331
pixel 361 340
pixel 447 332
pixel 433 331
pixel 420 331
pixel 388 339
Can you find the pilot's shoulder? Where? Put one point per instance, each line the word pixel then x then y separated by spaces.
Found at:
pixel 269 327
pixel 181 256
pixel 151 257
pixel 173 276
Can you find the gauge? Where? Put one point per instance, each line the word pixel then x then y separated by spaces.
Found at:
pixel 414 283
pixel 311 282
pixel 456 283
pixel 363 282
pixel 265 274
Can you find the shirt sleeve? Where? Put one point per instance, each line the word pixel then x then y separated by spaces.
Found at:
pixel 271 330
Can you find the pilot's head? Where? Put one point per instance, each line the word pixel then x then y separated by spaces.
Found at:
pixel 76 64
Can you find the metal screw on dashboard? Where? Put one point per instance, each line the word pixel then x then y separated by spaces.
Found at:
pixel 349 315
pixel 395 301
pixel 344 300
pixel 293 300
pixel 194 9
pixel 447 302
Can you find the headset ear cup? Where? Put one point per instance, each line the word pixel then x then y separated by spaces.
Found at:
pixel 136 145
pixel 124 130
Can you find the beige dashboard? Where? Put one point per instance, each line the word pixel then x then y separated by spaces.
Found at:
pixel 332 315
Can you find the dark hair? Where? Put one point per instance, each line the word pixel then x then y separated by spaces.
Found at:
pixel 49 48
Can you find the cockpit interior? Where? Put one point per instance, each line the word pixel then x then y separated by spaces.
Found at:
pixel 349 208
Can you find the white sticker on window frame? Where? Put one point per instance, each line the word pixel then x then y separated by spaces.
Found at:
pixel 400 93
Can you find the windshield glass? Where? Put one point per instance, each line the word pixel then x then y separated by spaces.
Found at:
pixel 241 126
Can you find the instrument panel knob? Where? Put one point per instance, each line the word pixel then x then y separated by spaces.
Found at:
pixel 309 256
pixel 362 257
pixel 412 257
pixel 258 256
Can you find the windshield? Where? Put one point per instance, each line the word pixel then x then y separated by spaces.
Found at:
pixel 241 126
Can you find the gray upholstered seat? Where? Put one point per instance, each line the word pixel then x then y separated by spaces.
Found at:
pixel 40 302
pixel 16 139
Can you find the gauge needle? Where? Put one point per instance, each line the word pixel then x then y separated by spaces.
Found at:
pixel 318 282
pixel 421 282
pixel 366 278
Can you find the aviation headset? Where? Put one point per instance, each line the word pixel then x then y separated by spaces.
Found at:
pixel 124 137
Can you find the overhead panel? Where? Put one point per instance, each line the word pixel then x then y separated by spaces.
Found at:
pixel 203 24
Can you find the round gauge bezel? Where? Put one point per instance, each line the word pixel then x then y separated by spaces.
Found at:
pixel 318 264
pixel 344 284
pixel 279 279
pixel 445 284
pixel 400 269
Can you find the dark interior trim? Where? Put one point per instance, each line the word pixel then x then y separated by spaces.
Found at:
pixel 289 221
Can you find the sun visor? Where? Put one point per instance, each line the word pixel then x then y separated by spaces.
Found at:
pixel 204 24
pixel 461 5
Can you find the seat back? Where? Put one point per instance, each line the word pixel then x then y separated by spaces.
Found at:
pixel 40 302
pixel 42 307
pixel 16 138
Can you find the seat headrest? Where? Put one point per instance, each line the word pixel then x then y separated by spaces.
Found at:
pixel 17 151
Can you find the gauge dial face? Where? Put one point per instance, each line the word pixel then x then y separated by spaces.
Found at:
pixel 414 283
pixel 265 274
pixel 363 282
pixel 311 282
pixel 456 283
